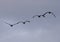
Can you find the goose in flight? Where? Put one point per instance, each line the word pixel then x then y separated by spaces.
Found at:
pixel 36 16
pixel 48 13
pixel 24 22
pixel 11 25
pixel 43 15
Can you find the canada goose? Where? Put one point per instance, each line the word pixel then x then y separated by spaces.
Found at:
pixel 11 25
pixel 43 15
pixel 52 13
pixel 24 22
pixel 37 16
pixel 49 13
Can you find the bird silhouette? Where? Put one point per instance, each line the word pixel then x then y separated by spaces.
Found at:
pixel 24 22
pixel 11 25
pixel 36 16
pixel 43 15
pixel 48 13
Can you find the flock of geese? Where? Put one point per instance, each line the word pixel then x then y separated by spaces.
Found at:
pixel 39 16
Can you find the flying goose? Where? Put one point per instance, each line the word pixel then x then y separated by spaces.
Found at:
pixel 48 13
pixel 11 25
pixel 24 22
pixel 43 15
pixel 36 16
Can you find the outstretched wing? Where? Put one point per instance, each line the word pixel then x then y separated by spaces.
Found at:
pixel 34 16
pixel 27 21
pixel 7 23
pixel 53 14
pixel 45 13
pixel 18 22
pixel 49 13
pixel 11 25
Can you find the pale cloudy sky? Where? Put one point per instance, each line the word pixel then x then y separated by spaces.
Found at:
pixel 38 30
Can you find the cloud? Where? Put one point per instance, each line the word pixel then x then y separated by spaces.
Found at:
pixel 28 36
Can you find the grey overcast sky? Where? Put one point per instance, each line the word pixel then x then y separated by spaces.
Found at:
pixel 38 30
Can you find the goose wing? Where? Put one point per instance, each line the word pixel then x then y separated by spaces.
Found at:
pixel 7 23
pixel 27 21
pixel 45 13
pixel 53 14
pixel 35 16
pixel 18 22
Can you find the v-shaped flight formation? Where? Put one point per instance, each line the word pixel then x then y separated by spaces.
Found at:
pixel 28 21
